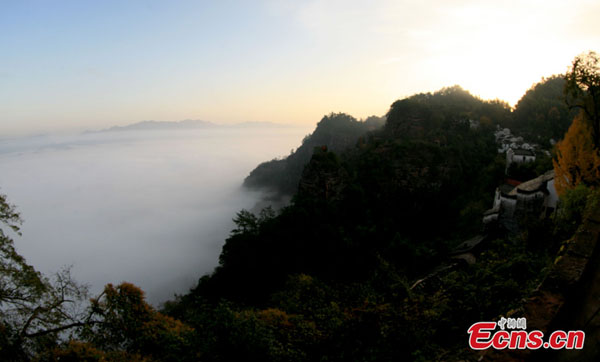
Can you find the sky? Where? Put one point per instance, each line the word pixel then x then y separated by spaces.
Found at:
pixel 74 65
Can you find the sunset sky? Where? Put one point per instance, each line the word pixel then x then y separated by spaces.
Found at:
pixel 93 64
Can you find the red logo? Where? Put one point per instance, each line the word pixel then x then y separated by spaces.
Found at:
pixel 483 335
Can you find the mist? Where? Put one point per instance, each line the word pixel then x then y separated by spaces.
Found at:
pixel 149 207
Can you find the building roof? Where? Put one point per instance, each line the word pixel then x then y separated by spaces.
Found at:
pixel 512 182
pixel 468 245
pixel 506 188
pixel 534 185
pixel 492 211
pixel 522 152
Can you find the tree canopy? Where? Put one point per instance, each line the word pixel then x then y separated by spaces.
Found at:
pixel 33 308
pixel 582 90
pixel 577 160
pixel 337 131
pixel 332 275
pixel 542 113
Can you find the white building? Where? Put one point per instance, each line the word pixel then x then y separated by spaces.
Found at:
pixel 519 156
pixel 540 188
pixel 536 197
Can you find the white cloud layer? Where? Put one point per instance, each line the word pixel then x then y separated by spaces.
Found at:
pixel 152 208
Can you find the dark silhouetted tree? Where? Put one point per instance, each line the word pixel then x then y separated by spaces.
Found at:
pixel 582 90
pixel 34 309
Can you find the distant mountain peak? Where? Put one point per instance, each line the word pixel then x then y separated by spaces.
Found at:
pixel 187 124
pixel 150 124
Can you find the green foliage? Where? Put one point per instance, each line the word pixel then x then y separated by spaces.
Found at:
pixel 45 317
pixel 248 223
pixel 330 273
pixel 19 281
pixel 574 205
pixel 582 90
pixel 376 319
pixel 336 131
pixel 123 321
pixel 524 171
pixel 390 195
pixel 428 114
pixel 542 114
pixel 34 309
pixel 504 274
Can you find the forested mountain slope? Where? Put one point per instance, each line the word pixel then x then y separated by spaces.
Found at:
pixel 338 131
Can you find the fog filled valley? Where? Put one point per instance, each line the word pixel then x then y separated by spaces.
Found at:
pixel 151 207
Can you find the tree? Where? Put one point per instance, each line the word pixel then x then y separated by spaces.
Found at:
pixel 582 90
pixel 33 308
pixel 47 318
pixel 542 114
pixel 577 160
pixel 124 322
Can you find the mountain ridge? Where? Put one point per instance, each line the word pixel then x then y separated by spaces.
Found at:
pixel 186 124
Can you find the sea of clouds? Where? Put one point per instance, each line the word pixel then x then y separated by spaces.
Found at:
pixel 150 207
